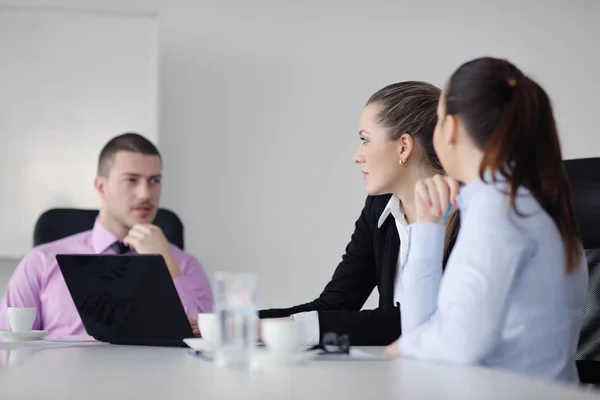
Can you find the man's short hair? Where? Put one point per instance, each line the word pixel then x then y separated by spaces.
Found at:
pixel 129 141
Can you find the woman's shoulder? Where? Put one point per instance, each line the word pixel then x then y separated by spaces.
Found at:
pixel 524 218
pixel 374 206
pixel 377 203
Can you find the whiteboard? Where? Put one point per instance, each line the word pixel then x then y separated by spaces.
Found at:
pixel 69 81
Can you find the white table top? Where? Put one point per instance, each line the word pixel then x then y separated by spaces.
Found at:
pixel 112 372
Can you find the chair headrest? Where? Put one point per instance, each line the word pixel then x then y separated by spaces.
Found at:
pixel 584 174
pixel 58 223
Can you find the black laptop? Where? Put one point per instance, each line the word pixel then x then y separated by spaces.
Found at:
pixel 126 299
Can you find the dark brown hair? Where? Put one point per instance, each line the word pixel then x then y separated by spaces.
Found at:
pixel 410 107
pixel 510 118
pixel 129 141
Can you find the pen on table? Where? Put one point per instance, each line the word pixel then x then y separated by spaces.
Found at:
pixel 200 354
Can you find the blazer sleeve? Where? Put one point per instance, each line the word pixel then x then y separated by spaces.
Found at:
pixel 352 283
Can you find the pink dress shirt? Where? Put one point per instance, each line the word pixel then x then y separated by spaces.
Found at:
pixel 38 282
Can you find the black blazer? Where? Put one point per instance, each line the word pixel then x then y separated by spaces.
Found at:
pixel 369 262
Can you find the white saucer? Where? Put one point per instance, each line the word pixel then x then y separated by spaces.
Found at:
pixel 267 358
pixel 9 336
pixel 198 344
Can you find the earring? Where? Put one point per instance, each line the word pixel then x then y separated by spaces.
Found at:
pixel 403 162
pixel 450 146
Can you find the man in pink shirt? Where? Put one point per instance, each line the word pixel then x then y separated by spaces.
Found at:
pixel 129 187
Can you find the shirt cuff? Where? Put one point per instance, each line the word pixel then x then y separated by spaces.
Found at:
pixel 312 329
pixel 426 241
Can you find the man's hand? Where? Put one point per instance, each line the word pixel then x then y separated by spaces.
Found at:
pixel 149 239
pixel 194 325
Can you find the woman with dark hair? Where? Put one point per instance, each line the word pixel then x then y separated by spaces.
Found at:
pixel 515 285
pixel 396 150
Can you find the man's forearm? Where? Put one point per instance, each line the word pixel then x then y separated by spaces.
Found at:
pixel 173 267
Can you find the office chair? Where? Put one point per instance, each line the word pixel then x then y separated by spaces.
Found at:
pixel 58 223
pixel 584 175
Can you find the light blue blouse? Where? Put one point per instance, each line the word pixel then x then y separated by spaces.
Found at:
pixel 504 300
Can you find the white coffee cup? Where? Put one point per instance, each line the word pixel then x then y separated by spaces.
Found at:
pixel 21 318
pixel 282 336
pixel 207 323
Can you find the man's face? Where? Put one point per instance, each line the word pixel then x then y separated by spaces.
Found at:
pixel 131 192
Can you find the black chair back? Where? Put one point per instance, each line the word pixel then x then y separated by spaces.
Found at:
pixel 584 175
pixel 58 223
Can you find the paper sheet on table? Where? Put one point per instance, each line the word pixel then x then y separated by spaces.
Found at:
pixel 71 339
pixel 355 355
pixel 64 341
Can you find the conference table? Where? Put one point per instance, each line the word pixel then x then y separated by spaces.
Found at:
pixel 109 372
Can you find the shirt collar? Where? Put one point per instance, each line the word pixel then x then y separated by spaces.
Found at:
pixel 102 238
pixel 393 207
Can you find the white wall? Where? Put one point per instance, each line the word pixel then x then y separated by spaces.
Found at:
pixel 260 104
pixel 69 82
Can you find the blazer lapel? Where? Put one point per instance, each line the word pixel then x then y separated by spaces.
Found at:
pixel 389 253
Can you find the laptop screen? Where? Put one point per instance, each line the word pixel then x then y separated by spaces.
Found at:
pixel 128 299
